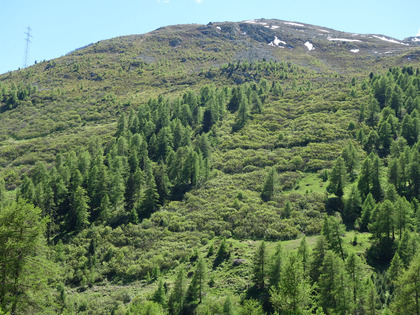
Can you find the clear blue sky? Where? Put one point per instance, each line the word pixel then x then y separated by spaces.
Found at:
pixel 59 27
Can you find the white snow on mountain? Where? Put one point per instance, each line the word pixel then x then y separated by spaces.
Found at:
pixel 273 27
pixel 310 46
pixel 294 24
pixel 355 50
pixel 343 39
pixel 389 40
pixel 276 42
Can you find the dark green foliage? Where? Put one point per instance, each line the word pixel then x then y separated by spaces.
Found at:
pixel 337 178
pixel 260 266
pixel 268 188
pixel 317 258
pixel 196 288
pixel 275 267
pixel 367 208
pixel 159 296
pixel 177 297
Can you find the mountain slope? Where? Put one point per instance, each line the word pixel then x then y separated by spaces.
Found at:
pixel 155 155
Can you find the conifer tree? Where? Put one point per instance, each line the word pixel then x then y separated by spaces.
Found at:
pixel 407 294
pixel 395 267
pixel 354 269
pixel 26 189
pixel 404 249
pixel 25 271
pixel 333 285
pixel 228 307
pixel 274 273
pixel 159 296
pixel 78 218
pixel 318 255
pixel 402 215
pixel 376 183
pixel 2 192
pixel 364 181
pixel 303 252
pixel 337 178
pixel 268 188
pixel 352 206
pixel 195 290
pixel 177 297
pixel 367 209
pixel 150 201
pixel 351 160
pixel 371 298
pixel 260 265
pixel 243 115
pixel 293 295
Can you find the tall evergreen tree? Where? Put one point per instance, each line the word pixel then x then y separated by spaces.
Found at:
pixel 177 297
pixel 268 188
pixel 303 252
pixel 78 217
pixel 367 210
pixel 195 290
pixel 407 295
pixel 293 295
pixel 260 267
pixel 25 270
pixel 364 181
pixel 337 178
pixel 274 273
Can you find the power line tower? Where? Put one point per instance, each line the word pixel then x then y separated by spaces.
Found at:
pixel 28 41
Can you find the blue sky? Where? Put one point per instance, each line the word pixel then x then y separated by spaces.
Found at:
pixel 59 27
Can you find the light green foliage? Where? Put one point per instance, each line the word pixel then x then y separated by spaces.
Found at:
pixel 25 270
pixel 293 295
pixel 408 290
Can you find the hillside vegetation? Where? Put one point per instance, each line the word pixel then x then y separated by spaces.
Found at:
pixel 207 170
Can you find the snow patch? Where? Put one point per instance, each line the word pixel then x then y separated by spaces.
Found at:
pixel 219 28
pixel 273 27
pixel 294 24
pixel 416 39
pixel 389 40
pixel 250 22
pixel 324 31
pixel 309 46
pixel 276 42
pixel 355 50
pixel 343 39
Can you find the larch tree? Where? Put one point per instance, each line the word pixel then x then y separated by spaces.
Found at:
pixel 337 178
pixel 293 295
pixel 24 267
pixel 267 191
pixel 407 294
pixel 260 267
